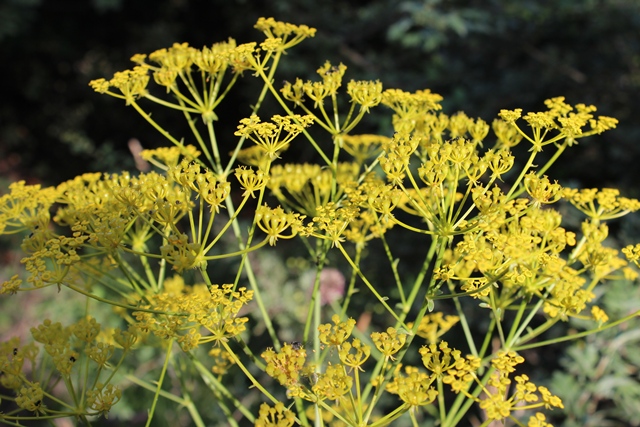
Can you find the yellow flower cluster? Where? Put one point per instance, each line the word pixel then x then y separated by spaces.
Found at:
pixel 278 416
pixel 70 352
pixel 603 204
pixel 491 228
pixel 275 136
pixel 434 325
pixel 174 67
pixel 304 187
pixel 566 121
pixel 183 312
pixel 365 94
pixel 496 401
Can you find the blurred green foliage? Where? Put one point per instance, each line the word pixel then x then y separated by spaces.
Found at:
pixel 600 381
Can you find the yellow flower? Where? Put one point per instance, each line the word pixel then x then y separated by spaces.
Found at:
pixel 363 147
pixel 103 397
pixel 31 398
pixel 287 365
pixel 361 353
pixel 289 34
pixel 538 420
pixel 336 334
pixel 269 136
pixel 389 342
pixel 632 253
pixel 131 83
pixel 409 105
pixel 275 222
pixel 434 325
pixel 277 416
pixel 250 180
pixel 541 189
pixel 366 93
pixel 510 116
pixel 333 383
pixel 439 358
pixel 413 387
pixel 169 157
pixel 11 286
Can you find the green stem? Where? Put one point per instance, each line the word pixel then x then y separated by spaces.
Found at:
pixel 577 335
pixel 248 374
pixel 160 380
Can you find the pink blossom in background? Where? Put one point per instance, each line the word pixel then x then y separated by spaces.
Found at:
pixel 332 284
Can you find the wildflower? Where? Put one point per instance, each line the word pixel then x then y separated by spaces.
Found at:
pixel 336 334
pixel 500 161
pixel 50 333
pixel 131 83
pixel 408 105
pixel 294 92
pixel 599 315
pixel 86 329
pixel 305 187
pixel 277 416
pixel 11 286
pixel 333 221
pixel 413 388
pixel 333 383
pixel 602 124
pixel 366 93
pixel 103 397
pixel 222 360
pixel 289 34
pixel 557 107
pixel 510 116
pixel 287 365
pixel 458 125
pixel 270 136
pixel 126 339
pixel 274 222
pixel 601 204
pixel 541 190
pixel 250 180
pixel 434 325
pixel 389 342
pixel 477 287
pixel 361 353
pixel 100 353
pixel 632 253
pixel 30 398
pixel 462 374
pixel 567 296
pixel 178 57
pixel 506 133
pixel 183 254
pixel 538 420
pixel 439 358
pixel 478 131
pixel 169 157
pixel 363 147
pixel 214 308
pixel 540 120
pixel 506 361
pixel 214 60
pixel 331 81
pixel 548 399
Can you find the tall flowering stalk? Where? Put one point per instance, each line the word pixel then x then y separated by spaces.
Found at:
pixel 150 244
